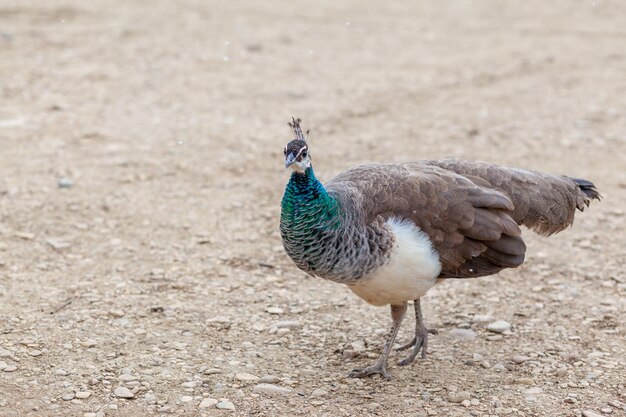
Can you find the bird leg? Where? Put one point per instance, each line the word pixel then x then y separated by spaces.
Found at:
pixel 420 341
pixel 380 367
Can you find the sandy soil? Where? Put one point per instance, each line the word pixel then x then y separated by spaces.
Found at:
pixel 140 182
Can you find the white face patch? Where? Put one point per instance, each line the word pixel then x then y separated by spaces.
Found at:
pixel 300 151
pixel 301 166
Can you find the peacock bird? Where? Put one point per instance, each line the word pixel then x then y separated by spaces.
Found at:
pixel 389 232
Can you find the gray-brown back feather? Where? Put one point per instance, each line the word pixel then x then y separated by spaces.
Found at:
pixel 470 210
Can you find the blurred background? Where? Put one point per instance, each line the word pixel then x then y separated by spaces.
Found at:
pixel 140 182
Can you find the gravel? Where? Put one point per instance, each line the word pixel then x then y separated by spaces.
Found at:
pixel 208 403
pixel 173 219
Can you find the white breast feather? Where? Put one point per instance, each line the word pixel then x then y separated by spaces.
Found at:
pixel 412 268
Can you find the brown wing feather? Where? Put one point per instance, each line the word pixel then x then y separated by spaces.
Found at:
pixel 545 203
pixel 469 224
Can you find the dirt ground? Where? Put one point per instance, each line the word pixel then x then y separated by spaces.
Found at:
pixel 140 181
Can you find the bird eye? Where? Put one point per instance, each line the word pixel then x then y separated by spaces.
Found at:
pixel 304 153
pixel 285 151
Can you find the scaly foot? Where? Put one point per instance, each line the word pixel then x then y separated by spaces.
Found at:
pixel 378 368
pixel 419 343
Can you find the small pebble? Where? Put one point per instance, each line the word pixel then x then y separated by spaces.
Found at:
pixel 319 392
pixel 89 343
pixel 519 359
pixel 186 398
pixel 225 405
pixel 269 379
pixel 68 397
pixel 270 389
pixel 246 377
pixel 457 397
pixel 83 394
pixel 282 332
pixel 589 413
pixel 35 353
pixel 208 403
pixel 123 392
pixel 10 368
pixel 274 310
pixel 126 378
pixel 499 326
pixel 65 182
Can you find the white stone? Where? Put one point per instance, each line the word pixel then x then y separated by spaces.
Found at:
pixel 225 405
pixel 123 392
pixel 270 389
pixel 269 379
pixel 499 326
pixel 589 413
pixel 457 397
pixel 246 377
pixel 319 392
pixel 83 394
pixel 274 310
pixel 519 359
pixel 208 403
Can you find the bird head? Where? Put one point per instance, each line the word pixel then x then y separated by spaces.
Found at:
pixel 296 152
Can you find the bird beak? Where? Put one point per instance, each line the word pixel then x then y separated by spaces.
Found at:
pixel 290 159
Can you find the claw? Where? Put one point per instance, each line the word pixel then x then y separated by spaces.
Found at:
pixel 405 347
pixel 419 343
pixel 370 370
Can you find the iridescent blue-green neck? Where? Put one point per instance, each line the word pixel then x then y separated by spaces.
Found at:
pixel 309 221
pixel 324 234
pixel 306 196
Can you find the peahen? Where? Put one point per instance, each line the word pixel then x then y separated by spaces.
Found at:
pixel 390 231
